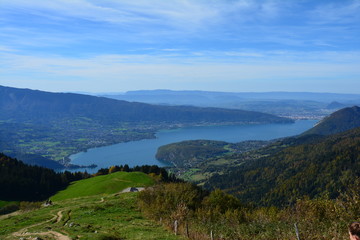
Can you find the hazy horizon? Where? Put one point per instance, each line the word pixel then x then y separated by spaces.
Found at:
pixel 223 46
pixel 181 90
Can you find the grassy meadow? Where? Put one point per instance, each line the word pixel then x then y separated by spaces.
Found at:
pixel 89 209
pixel 105 184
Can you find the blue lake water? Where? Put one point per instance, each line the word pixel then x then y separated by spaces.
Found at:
pixel 143 152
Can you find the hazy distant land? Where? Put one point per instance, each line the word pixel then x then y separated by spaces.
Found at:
pixel 295 105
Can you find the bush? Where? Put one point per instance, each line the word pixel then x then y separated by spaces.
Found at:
pixel 28 206
pixel 172 201
pixel 12 207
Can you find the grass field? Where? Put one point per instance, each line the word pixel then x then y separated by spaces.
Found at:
pixel 100 213
pixel 105 184
pixel 115 216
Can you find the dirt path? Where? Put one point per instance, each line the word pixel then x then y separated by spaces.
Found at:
pixel 52 234
pixel 10 214
pixel 59 216
pixel 25 229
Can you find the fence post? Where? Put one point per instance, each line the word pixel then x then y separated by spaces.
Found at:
pixel 297 231
pixel 175 227
pixel 211 235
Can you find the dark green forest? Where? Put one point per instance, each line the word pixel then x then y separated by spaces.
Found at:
pixel 22 182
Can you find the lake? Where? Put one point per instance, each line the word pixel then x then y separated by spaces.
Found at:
pixel 143 152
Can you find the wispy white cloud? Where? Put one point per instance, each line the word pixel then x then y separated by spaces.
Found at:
pixel 184 15
pixel 336 12
pixel 177 41
pixel 119 12
pixel 62 22
pixel 7 49
pixel 125 72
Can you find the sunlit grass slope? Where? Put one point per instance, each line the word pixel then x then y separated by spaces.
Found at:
pixel 89 209
pixel 112 217
pixel 105 184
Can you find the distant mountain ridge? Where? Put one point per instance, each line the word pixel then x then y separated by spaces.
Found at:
pixel 296 105
pixel 23 105
pixel 312 96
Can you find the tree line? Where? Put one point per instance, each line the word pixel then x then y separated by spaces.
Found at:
pixel 22 182
pixel 157 172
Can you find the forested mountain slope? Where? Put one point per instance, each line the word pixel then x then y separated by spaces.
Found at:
pixel 339 121
pixel 322 166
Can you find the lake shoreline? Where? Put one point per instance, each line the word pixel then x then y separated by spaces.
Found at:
pixel 67 163
pixel 132 152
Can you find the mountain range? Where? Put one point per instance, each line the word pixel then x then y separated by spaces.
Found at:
pixel 24 105
pixel 193 97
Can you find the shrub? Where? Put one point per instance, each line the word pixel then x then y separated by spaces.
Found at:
pixel 12 207
pixel 28 206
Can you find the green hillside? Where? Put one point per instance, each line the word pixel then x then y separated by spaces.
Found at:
pixel 197 160
pixel 187 153
pixel 88 209
pixel 105 184
pixel 113 217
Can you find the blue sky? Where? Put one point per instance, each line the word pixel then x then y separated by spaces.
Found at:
pixel 212 45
